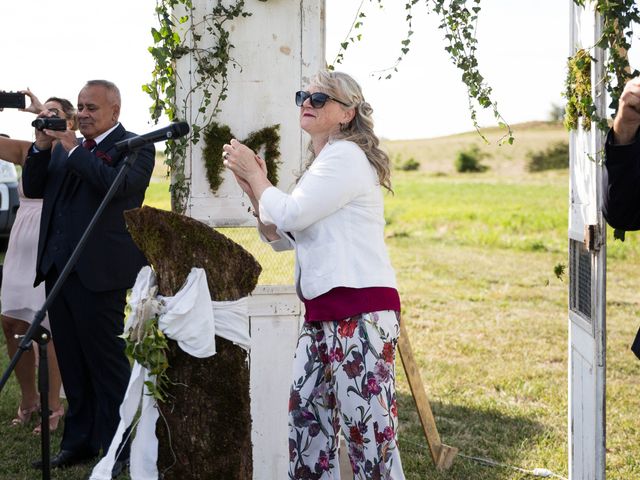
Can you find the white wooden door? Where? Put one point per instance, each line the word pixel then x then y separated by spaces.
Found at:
pixel 277 49
pixel 587 268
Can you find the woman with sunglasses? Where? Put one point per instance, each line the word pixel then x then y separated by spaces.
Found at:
pixel 20 300
pixel 344 377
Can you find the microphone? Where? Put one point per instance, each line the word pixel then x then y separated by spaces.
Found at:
pixel 175 130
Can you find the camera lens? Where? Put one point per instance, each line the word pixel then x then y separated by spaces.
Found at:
pixel 38 123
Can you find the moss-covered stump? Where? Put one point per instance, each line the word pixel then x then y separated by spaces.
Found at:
pixel 205 427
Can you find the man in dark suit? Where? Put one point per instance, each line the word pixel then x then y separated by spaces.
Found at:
pixel 87 315
pixel 621 174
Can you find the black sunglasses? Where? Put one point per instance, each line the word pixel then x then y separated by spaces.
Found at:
pixel 317 99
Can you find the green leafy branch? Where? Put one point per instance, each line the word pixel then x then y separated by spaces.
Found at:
pixel 578 93
pixel 458 21
pixel 618 17
pixel 212 64
pixel 147 345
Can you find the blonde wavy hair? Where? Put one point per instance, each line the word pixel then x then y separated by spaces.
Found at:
pixel 359 130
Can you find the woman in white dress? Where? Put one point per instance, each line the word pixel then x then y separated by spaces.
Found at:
pixel 18 297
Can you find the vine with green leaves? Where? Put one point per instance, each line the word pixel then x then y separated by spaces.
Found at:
pixel 578 93
pixel 458 21
pixel 618 18
pixel 178 37
pixel 147 345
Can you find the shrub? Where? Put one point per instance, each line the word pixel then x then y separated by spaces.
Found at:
pixel 399 163
pixel 408 165
pixel 554 157
pixel 469 160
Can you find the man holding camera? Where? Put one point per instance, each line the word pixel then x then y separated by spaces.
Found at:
pixel 87 315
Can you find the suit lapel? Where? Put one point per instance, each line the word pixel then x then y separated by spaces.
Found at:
pixel 108 143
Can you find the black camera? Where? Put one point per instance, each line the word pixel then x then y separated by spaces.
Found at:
pixel 12 100
pixel 50 123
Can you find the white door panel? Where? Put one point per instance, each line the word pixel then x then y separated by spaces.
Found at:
pixel 587 264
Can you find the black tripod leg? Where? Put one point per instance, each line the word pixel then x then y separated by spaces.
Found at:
pixel 42 338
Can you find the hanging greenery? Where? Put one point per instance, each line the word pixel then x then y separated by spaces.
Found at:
pixel 182 36
pixel 148 345
pixel 458 19
pixel 216 135
pixel 578 93
pixel 618 18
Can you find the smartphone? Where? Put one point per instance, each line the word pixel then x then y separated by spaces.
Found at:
pixel 12 100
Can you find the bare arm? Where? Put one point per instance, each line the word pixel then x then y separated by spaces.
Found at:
pixel 14 151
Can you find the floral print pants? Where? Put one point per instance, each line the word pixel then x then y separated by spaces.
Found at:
pixel 344 381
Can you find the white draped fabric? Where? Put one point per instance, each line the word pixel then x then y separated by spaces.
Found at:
pixel 191 319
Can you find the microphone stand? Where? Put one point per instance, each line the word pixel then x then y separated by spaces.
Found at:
pixel 43 335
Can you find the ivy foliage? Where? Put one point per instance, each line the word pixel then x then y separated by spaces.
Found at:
pixel 177 37
pixel 618 17
pixel 188 35
pixel 216 135
pixel 578 92
pixel 147 345
pixel 458 21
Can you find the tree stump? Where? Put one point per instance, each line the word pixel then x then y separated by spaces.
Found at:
pixel 204 430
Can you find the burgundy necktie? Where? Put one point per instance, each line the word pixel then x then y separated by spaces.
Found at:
pixel 89 144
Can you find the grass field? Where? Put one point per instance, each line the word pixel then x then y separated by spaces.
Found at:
pixel 487 317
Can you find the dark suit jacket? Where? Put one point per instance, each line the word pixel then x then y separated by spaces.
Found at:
pixel 621 192
pixel 110 259
pixel 620 180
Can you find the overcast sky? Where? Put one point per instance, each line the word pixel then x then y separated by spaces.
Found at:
pixel 54 47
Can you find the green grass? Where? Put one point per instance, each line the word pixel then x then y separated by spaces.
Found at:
pixel 487 320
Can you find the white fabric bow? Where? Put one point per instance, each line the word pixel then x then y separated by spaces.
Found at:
pixel 191 319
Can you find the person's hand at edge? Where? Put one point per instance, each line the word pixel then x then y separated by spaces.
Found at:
pixel 35 106
pixel 627 121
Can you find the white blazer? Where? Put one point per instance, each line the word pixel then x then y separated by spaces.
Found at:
pixel 335 215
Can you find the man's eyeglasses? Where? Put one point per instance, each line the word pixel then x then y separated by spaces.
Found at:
pixel 317 99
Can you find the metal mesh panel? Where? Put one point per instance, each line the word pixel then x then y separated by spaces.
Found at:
pixel 277 267
pixel 580 279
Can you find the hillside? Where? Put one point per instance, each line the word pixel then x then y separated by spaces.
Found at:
pixel 437 155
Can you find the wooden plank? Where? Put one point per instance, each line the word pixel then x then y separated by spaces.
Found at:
pixel 273 345
pixel 274 300
pixel 442 455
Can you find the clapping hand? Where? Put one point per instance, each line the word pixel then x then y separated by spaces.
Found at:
pixel 244 164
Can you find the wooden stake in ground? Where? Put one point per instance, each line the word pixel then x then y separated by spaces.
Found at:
pixel 204 431
pixel 441 454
